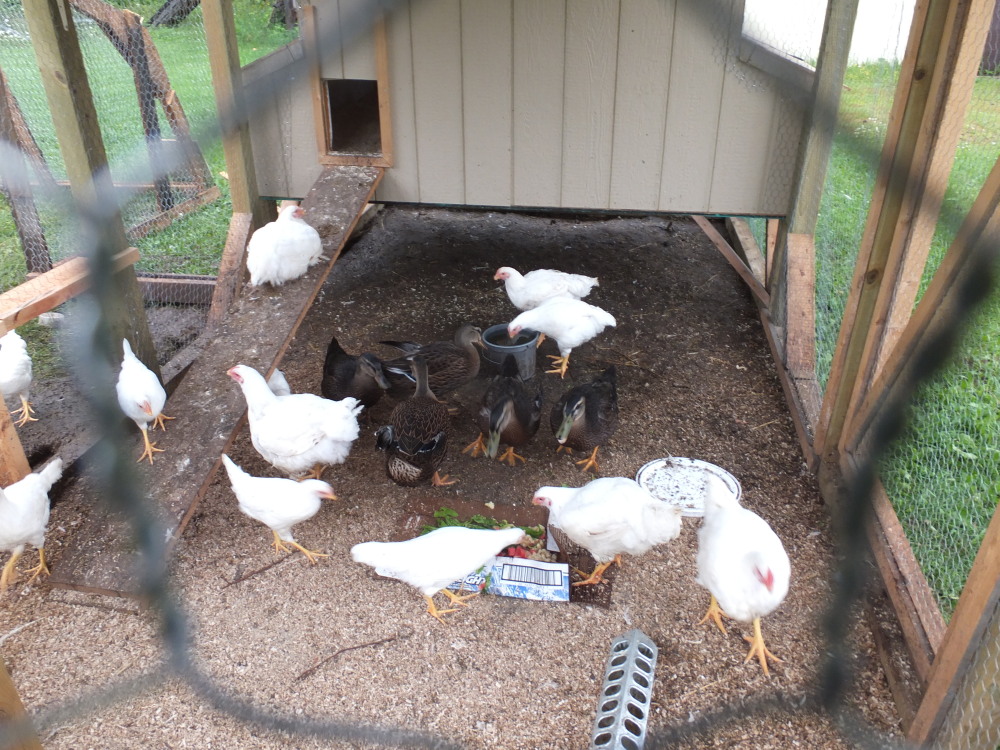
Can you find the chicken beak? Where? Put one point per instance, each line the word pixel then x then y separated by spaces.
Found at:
pixel 146 408
pixel 328 496
pixel 536 500
pixel 231 372
pixel 497 276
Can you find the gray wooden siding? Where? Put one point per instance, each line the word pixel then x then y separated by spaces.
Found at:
pixel 599 104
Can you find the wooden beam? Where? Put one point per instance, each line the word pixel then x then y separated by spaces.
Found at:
pixel 64 77
pixel 227 80
pixel 800 316
pixel 772 242
pixel 928 145
pixel 963 650
pixel 177 289
pixel 167 218
pixel 11 709
pixel 979 235
pixel 746 246
pixel 231 268
pixel 13 463
pixel 756 288
pixel 50 289
pixel 869 269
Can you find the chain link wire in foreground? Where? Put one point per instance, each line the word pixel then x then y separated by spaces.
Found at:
pixel 122 490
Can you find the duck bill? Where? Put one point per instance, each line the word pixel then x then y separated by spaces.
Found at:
pixel 564 429
pixel 492 444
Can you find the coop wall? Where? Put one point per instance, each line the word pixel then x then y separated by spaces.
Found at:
pixel 594 104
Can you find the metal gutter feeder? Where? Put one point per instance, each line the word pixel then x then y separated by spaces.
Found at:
pixel 623 707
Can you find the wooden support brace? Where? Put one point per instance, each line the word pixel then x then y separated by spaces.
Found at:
pixel 756 288
pixel 11 709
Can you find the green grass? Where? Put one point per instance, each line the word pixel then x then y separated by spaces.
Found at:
pixel 193 243
pixel 944 476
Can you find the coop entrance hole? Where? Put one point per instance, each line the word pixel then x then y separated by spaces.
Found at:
pixel 353 117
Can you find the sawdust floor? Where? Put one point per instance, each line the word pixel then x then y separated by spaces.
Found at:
pixel 695 379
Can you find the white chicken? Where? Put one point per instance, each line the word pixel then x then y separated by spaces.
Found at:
pixel 609 517
pixel 301 433
pixel 742 563
pixel 141 397
pixel 432 561
pixel 24 514
pixel 283 249
pixel 533 288
pixel 279 503
pixel 571 322
pixel 15 374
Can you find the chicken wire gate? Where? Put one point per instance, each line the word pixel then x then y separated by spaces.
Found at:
pixel 871 379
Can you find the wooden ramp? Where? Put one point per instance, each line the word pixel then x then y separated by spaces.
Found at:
pixel 208 410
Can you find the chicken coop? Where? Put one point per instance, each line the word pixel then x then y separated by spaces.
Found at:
pixel 661 108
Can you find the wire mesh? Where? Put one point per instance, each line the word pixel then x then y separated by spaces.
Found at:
pixel 850 184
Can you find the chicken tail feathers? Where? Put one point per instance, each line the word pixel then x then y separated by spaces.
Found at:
pixel 51 473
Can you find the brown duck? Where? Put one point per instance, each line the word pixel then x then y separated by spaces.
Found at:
pixel 358 376
pixel 416 438
pixel 586 417
pixel 507 414
pixel 450 364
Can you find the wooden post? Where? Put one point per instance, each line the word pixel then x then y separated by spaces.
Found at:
pixel 12 709
pixel 227 80
pixel 941 38
pixel 969 654
pixel 14 182
pixel 13 464
pixel 64 77
pixel 979 233
pixel 145 89
pixel 793 284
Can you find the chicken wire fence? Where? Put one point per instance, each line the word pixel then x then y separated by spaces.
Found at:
pixel 858 144
pixel 943 478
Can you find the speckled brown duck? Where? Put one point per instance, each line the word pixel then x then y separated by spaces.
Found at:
pixel 450 364
pixel 508 413
pixel 359 376
pixel 586 417
pixel 416 438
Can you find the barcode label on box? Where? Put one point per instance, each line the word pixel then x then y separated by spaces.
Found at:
pixel 519 578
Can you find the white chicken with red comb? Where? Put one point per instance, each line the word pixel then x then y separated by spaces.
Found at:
pixel 141 397
pixel 742 563
pixel 283 249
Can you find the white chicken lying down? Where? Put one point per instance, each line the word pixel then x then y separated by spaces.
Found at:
pixel 742 562
pixel 278 503
pixel 571 322
pixel 24 514
pixel 283 249
pixel 534 287
pixel 141 397
pixel 300 434
pixel 15 374
pixel 432 561
pixel 609 517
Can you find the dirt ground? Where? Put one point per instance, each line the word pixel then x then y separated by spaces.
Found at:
pixel 696 379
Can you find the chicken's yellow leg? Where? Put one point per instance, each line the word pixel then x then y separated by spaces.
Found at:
pixel 757 647
pixel 9 575
pixel 457 599
pixel 158 422
pixel 559 365
pixel 594 577
pixel 541 338
pixel 310 555
pixel 714 614
pixel 150 447
pixel 476 447
pixel 40 568
pixel 510 457
pixel 279 546
pixel 590 462
pixel 433 611
pixel 25 411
